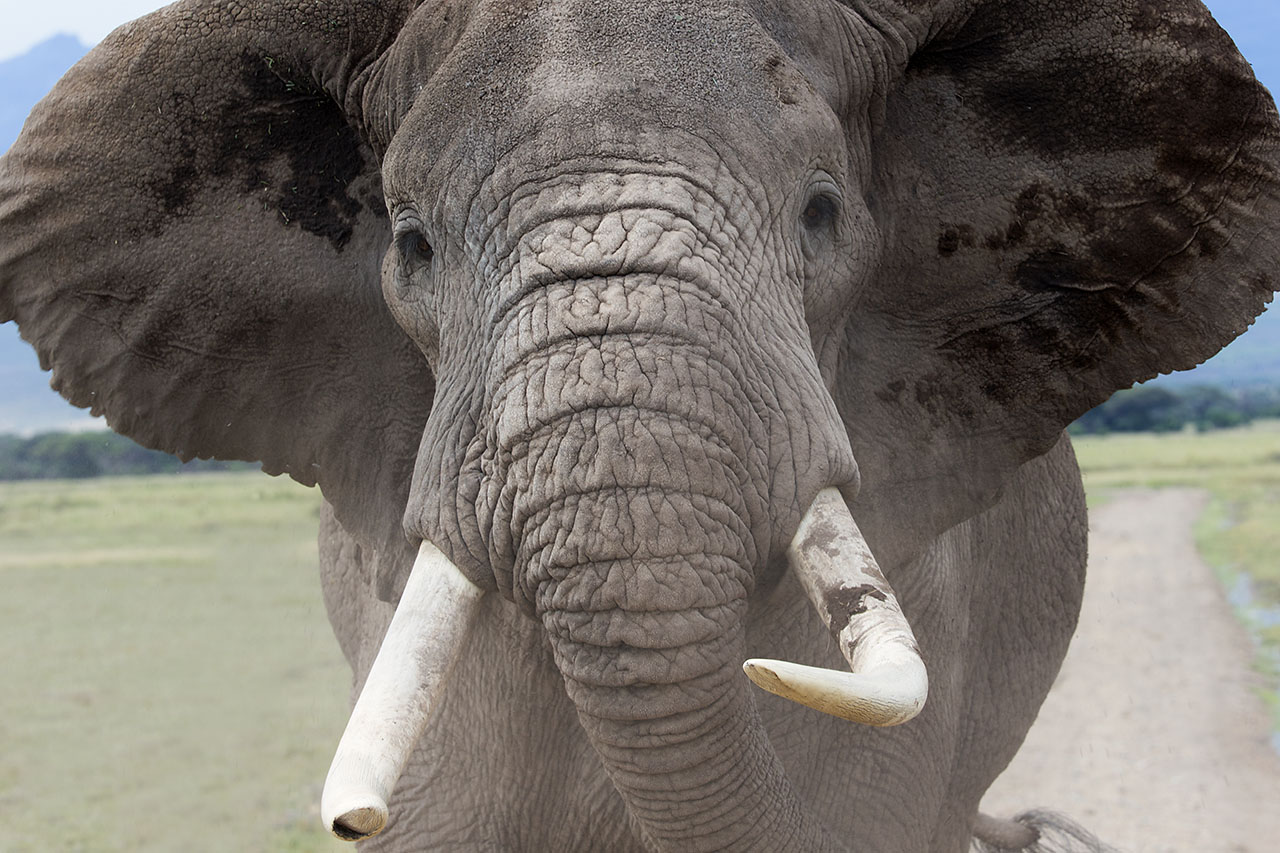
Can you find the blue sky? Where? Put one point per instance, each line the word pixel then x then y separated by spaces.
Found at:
pixel 29 22
pixel 1254 24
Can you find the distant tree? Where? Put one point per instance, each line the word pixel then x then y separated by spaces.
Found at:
pixel 1209 408
pixel 1158 408
pixel 1140 409
pixel 90 454
pixel 64 456
pixel 1261 402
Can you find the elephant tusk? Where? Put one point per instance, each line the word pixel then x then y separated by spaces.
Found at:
pixel 888 683
pixel 404 685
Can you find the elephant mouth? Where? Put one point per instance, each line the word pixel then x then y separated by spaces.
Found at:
pixel 887 683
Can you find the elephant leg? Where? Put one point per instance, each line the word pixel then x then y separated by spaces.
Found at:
pixel 1029 556
pixel 358 618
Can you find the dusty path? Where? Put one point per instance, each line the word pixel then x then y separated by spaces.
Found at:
pixel 1153 737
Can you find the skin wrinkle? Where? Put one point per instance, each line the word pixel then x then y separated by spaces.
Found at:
pixel 728 520
pixel 697 249
pixel 571 350
pixel 616 592
pixel 681 278
pixel 632 472
pixel 526 381
pixel 612 664
pixel 640 704
pixel 538 221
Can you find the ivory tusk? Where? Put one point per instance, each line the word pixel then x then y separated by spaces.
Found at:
pixel 404 685
pixel 888 683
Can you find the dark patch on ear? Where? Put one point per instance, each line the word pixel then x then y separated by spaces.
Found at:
pixel 891 392
pixel 176 192
pixel 1088 98
pixel 844 603
pixel 972 46
pixel 295 121
pixel 955 237
pixel 288 144
pixel 1057 269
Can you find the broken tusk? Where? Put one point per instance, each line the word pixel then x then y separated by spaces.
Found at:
pixel 404 685
pixel 888 683
pixel 883 697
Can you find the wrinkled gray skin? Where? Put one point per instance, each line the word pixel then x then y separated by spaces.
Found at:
pixel 598 295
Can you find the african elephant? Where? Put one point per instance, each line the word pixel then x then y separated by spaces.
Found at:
pixel 619 315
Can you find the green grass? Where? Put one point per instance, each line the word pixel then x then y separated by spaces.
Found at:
pixel 172 682
pixel 1239 533
pixel 171 679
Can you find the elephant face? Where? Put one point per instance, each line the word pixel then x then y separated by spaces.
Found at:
pixel 614 305
pixel 600 302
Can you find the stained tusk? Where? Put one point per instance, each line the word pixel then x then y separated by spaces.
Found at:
pixel 404 685
pixel 888 683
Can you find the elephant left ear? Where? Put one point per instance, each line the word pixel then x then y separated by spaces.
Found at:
pixel 1076 195
pixel 192 228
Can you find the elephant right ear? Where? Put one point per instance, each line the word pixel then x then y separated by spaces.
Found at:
pixel 191 234
pixel 1075 195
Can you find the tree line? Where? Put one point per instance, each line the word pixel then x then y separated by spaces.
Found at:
pixel 1155 408
pixel 1142 409
pixel 77 455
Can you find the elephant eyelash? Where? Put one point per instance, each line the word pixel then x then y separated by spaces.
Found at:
pixel 416 251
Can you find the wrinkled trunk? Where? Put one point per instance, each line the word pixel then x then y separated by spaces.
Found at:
pixel 650 648
pixel 640 565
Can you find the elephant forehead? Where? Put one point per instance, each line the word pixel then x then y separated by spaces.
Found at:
pixel 587 79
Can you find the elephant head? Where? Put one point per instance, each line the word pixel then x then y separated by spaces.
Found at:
pixel 602 307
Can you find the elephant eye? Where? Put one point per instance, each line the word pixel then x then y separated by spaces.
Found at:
pixel 820 212
pixel 423 249
pixel 416 251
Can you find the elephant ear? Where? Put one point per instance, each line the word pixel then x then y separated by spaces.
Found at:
pixel 1075 195
pixel 191 235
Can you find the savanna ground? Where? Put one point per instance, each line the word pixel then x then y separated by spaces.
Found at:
pixel 171 682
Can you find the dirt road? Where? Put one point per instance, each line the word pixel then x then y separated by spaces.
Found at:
pixel 1153 736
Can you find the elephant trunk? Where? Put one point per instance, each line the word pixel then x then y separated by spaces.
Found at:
pixel 650 647
pixel 630 497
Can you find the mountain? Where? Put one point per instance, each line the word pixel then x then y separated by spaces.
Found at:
pixel 25 79
pixel 26 402
pixel 1253 359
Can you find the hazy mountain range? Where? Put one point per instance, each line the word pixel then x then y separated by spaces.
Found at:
pixel 27 404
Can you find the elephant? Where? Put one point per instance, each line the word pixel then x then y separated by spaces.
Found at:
pixel 632 341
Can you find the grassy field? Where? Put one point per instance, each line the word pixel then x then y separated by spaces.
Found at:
pixel 171 682
pixel 1239 534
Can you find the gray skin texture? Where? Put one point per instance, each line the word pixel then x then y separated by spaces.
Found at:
pixel 598 295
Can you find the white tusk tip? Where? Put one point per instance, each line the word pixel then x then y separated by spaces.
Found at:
pixel 757 669
pixel 359 822
pixel 886 696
